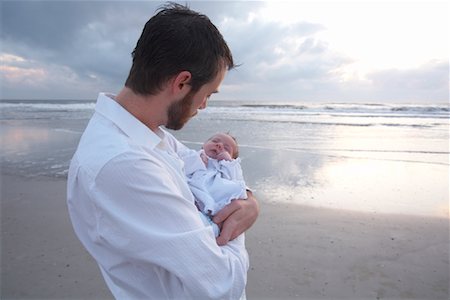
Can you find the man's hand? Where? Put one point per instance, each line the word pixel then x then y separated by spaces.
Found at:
pixel 235 218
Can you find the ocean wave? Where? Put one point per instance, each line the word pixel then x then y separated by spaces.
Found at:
pixel 64 130
pixel 333 114
pixel 367 108
pixel 275 106
pixel 438 111
pixel 48 106
pixel 373 150
pixel 236 107
pixel 324 123
pixel 421 109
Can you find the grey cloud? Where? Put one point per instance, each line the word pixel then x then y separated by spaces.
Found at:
pixel 427 82
pixel 218 10
pixel 55 25
pixel 47 81
pixel 313 46
pixel 45 24
pixel 93 38
pixel 85 47
pixel 256 40
pixel 267 52
pixel 433 75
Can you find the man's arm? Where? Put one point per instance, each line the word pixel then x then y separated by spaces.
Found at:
pixel 236 218
pixel 145 217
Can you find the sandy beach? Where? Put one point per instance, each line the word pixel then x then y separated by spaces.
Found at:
pixel 348 211
pixel 296 251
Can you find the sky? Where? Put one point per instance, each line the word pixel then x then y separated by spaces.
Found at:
pixel 380 51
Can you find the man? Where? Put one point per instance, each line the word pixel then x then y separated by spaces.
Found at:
pixel 128 198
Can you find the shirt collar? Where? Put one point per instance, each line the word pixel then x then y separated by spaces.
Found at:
pixel 139 133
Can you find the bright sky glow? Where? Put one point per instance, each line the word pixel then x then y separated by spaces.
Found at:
pixel 335 50
pixel 375 35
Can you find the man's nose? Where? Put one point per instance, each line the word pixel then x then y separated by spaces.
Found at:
pixel 203 105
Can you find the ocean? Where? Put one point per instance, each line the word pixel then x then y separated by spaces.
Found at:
pixel 287 149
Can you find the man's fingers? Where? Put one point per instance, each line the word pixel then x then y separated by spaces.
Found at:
pixel 226 234
pixel 236 218
pixel 225 212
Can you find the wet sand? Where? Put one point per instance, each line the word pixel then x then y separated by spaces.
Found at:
pixel 296 251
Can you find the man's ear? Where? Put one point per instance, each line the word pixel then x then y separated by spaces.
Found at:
pixel 181 83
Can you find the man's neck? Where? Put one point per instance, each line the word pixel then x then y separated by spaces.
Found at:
pixel 150 110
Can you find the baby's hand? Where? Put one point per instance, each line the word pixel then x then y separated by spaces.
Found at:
pixel 224 156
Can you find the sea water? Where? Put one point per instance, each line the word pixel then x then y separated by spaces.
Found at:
pixel 363 156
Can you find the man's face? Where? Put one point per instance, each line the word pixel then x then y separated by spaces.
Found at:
pixel 180 112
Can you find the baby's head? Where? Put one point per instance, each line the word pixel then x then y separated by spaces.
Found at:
pixel 221 142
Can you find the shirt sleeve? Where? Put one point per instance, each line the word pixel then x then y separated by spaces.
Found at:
pixel 143 216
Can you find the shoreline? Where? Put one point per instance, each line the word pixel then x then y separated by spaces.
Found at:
pixel 295 251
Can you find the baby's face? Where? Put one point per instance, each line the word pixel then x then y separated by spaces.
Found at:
pixel 220 143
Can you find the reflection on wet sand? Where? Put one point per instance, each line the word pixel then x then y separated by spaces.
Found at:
pixel 369 185
pixel 22 139
pixel 36 150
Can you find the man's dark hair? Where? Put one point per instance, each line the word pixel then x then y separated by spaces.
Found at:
pixel 177 39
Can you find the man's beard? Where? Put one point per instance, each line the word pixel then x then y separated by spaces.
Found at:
pixel 180 112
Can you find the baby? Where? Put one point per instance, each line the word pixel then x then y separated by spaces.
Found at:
pixel 215 176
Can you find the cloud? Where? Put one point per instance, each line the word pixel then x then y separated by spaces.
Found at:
pixel 44 25
pixel 430 76
pixel 429 81
pixel 262 46
pixel 279 61
pixel 28 79
pixel 83 44
pixel 74 49
pixel 219 10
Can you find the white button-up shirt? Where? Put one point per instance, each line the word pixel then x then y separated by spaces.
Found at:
pixel 132 209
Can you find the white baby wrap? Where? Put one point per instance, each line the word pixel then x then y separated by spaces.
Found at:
pixel 217 184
